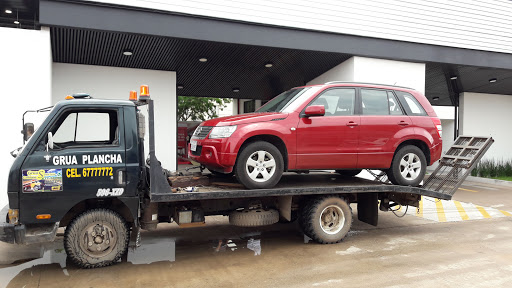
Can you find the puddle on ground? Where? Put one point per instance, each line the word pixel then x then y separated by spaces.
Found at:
pixel 151 251
pixel 223 245
pixel 51 256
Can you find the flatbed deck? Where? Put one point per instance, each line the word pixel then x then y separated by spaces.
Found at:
pixel 294 184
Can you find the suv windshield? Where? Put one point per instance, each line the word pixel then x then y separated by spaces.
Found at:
pixel 283 100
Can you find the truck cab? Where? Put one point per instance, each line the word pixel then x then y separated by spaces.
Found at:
pixel 85 155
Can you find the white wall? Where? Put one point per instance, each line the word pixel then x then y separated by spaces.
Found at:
pixel 448 133
pixel 488 115
pixel 25 78
pixel 115 83
pixel 342 72
pixel 225 110
pixel 363 69
pixel 472 24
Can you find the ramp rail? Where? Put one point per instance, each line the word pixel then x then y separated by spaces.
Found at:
pixel 456 165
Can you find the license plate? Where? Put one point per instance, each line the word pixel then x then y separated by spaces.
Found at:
pixel 193 145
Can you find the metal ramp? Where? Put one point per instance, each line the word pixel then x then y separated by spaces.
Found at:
pixel 456 165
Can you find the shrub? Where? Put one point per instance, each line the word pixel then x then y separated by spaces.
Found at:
pixel 493 168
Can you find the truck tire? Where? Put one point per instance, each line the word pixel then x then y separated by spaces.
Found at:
pixel 326 219
pixel 349 173
pixel 408 166
pixel 253 217
pixel 259 165
pixel 96 238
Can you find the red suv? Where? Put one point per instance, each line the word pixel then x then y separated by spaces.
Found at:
pixel 339 125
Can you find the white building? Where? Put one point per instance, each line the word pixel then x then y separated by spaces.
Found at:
pixel 459 53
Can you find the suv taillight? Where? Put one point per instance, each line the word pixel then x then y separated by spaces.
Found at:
pixel 438 125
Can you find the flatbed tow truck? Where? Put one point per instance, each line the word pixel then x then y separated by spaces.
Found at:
pixel 104 191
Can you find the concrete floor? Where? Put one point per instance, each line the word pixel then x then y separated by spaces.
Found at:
pixel 401 252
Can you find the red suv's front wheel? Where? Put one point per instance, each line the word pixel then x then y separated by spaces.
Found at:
pixel 259 165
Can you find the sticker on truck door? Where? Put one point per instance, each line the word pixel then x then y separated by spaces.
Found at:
pixel 42 180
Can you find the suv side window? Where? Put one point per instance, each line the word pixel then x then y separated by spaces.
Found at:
pixel 411 105
pixel 394 106
pixel 337 101
pixel 375 102
pixel 86 128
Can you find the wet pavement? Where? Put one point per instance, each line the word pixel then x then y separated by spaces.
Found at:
pixel 400 252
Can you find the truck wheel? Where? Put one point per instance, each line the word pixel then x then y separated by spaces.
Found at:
pixel 408 166
pixel 259 165
pixel 349 173
pixel 253 217
pixel 326 219
pixel 96 238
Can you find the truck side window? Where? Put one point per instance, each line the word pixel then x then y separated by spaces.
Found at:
pixel 85 128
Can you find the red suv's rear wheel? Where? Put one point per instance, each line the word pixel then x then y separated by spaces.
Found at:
pixel 259 165
pixel 408 166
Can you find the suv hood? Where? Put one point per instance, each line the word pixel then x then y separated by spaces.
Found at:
pixel 245 119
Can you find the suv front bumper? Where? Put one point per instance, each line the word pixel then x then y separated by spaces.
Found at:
pixel 215 154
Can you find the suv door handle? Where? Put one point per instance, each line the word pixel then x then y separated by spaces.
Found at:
pixel 403 123
pixel 352 124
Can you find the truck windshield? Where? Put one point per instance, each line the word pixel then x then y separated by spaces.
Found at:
pixel 283 100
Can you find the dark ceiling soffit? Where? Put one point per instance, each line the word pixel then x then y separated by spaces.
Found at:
pixel 132 20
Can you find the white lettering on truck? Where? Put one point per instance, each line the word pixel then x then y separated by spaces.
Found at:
pixel 102 159
pixel 88 159
pixel 105 192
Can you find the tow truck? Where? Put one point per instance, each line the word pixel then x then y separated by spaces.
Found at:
pixel 85 169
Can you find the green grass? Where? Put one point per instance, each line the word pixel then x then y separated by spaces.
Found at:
pixel 506 178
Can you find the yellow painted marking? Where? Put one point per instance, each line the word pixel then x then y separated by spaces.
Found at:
pixel 482 210
pixel 461 210
pixel 505 213
pixel 440 211
pixel 469 190
pixel 419 212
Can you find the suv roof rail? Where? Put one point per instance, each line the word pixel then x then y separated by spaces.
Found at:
pixel 350 82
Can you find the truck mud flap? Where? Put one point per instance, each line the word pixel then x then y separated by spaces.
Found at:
pixel 367 208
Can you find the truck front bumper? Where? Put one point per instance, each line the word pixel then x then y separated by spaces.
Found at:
pixel 6 229
pixel 19 234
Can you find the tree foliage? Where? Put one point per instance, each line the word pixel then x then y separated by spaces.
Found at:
pixel 199 108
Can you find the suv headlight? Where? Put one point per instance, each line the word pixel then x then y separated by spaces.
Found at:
pixel 222 132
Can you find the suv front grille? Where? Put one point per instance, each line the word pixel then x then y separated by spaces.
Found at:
pixel 202 131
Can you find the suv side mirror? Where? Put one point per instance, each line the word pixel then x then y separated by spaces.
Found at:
pixel 315 110
pixel 28 130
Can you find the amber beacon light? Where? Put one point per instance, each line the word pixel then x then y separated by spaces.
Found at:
pixel 133 96
pixel 144 92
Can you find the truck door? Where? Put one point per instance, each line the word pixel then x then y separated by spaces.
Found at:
pixel 87 161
